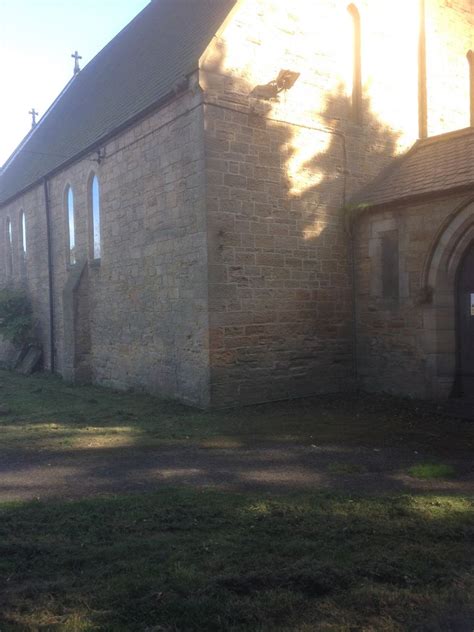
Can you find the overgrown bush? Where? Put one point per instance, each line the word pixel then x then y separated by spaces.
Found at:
pixel 16 316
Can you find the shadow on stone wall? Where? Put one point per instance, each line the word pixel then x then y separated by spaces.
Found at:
pixel 281 297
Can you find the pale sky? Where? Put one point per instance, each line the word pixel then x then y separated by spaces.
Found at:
pixel 37 38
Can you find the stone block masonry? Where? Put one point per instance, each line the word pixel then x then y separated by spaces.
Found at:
pixel 281 171
pixel 279 293
pixel 138 317
pixel 407 344
pixel 279 174
pixel 226 270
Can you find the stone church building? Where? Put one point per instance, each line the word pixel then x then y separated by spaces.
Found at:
pixel 252 200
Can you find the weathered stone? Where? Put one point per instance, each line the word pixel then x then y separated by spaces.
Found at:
pixel 225 274
pixel 31 361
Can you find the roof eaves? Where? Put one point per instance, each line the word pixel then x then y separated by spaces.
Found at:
pixel 446 136
pixel 395 165
pixel 118 130
pixel 360 208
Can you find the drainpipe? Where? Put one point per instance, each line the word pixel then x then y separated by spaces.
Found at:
pixel 355 341
pixel 50 272
pixel 349 226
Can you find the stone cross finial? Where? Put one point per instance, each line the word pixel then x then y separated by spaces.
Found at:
pixel 76 58
pixel 34 114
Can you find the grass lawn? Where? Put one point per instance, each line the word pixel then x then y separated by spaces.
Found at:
pixel 432 470
pixel 43 412
pixel 200 559
pixel 207 560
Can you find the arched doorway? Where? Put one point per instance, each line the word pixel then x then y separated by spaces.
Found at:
pixel 450 259
pixel 465 325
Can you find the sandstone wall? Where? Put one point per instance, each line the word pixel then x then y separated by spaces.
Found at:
pixel 400 338
pixel 147 296
pixel 449 37
pixel 279 173
pixel 226 269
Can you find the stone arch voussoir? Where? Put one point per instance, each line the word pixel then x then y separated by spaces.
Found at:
pixel 439 282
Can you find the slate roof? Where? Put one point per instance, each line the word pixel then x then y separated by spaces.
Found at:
pixel 136 71
pixel 434 165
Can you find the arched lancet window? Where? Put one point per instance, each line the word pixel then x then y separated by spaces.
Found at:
pixel 470 59
pixel 71 225
pixel 9 242
pixel 356 64
pixel 23 233
pixel 95 217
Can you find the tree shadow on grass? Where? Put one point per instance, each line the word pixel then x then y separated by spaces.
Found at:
pixel 44 413
pixel 278 469
pixel 204 560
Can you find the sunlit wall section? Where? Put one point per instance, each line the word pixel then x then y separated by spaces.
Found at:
pixel 285 152
pixel 288 140
pixel 316 40
pixel 390 72
pixel 449 36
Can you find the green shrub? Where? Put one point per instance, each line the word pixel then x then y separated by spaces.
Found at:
pixel 16 316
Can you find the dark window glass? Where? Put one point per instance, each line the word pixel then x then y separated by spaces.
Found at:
pixel 390 263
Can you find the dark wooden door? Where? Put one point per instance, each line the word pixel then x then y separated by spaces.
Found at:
pixel 466 325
